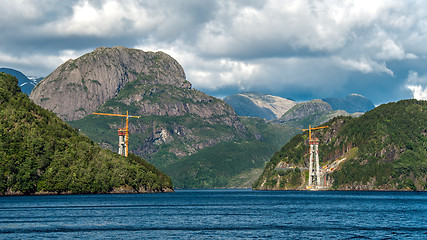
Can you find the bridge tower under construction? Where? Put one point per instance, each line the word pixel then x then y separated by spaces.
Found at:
pixel 314 174
pixel 122 142
pixel 122 145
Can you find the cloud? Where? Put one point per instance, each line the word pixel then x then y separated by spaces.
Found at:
pixel 364 65
pixel 105 19
pixel 40 61
pixel 417 85
pixel 295 48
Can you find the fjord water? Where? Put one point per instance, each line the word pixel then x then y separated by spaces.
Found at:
pixel 217 214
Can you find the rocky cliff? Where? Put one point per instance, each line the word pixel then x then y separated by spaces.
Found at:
pixel 79 87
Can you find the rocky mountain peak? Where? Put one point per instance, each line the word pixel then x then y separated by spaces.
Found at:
pixel 79 87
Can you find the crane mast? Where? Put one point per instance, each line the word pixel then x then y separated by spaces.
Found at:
pixel 121 130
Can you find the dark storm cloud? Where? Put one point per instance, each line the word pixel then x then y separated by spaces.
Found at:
pixel 300 49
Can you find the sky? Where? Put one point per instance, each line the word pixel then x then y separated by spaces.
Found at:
pixel 298 49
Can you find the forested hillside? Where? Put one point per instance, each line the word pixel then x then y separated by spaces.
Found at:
pixel 39 153
pixel 384 149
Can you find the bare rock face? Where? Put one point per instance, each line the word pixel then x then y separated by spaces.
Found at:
pixel 79 87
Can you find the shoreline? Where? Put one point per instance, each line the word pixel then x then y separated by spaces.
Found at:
pixel 115 191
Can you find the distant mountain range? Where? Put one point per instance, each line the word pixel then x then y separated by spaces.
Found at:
pixel 27 83
pixel 302 114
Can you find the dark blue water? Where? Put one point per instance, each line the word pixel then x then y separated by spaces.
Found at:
pixel 217 214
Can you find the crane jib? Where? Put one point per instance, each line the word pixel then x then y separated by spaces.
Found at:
pixel 126 130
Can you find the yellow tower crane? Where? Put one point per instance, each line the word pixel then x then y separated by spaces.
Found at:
pixel 310 129
pixel 127 116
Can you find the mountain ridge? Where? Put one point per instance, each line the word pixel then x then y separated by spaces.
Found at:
pixel 99 76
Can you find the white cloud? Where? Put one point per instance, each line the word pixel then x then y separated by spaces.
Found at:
pixel 417 85
pixel 209 74
pixel 36 63
pixel 222 73
pixel 419 92
pixel 300 24
pixel 364 65
pixel 110 18
pixel 390 50
pixel 27 10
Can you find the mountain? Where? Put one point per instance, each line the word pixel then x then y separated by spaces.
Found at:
pixel 100 75
pixel 303 110
pixel 282 110
pixel 384 149
pixel 26 83
pixel 178 124
pixel 41 154
pixel 313 112
pixel 352 103
pixel 259 105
